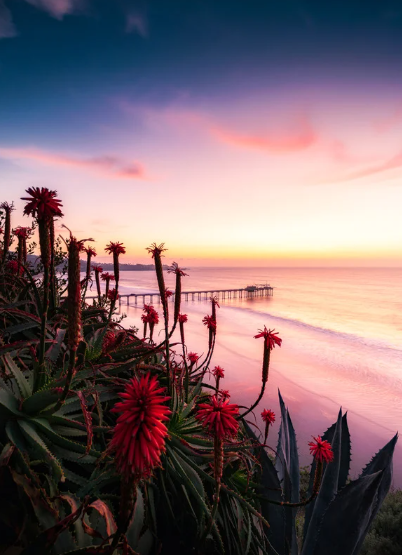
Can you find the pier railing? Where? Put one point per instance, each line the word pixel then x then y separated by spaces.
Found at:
pixel 264 291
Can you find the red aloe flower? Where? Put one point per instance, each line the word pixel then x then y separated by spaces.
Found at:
pixel 156 250
pixel 270 336
pixel 168 293
pixel 115 248
pixel 90 251
pixel 219 418
pixel 209 322
pixel 268 416
pixel 97 269
pixel 107 277
pixel 14 268
pixel 321 450
pixel 182 318
pixel 224 394
pixel 218 372
pixel 112 295
pixel 42 204
pixel 139 434
pixel 22 232
pixel 192 357
pixel 174 268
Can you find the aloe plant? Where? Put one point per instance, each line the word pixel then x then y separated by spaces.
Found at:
pixel 62 371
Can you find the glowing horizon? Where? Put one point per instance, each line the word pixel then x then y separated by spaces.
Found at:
pixel 260 159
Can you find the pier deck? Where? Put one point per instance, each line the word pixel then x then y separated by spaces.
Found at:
pixel 265 291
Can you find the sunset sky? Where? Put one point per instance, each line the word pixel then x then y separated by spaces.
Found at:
pixel 237 132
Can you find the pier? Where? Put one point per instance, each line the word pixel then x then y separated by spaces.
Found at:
pixel 247 292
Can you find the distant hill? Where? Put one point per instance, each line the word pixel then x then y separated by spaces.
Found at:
pixel 123 267
pixel 107 266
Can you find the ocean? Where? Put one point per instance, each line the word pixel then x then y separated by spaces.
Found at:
pixel 342 347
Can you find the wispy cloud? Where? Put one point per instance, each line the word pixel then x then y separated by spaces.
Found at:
pixel 385 124
pixel 108 166
pixel 137 23
pixel 299 138
pixel 391 164
pixel 58 8
pixel 298 135
pixel 7 28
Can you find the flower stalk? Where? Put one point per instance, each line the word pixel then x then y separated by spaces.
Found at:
pixel 44 206
pixel 270 340
pixel 8 208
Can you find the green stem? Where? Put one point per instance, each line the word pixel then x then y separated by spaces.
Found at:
pixel 70 375
pixel 41 371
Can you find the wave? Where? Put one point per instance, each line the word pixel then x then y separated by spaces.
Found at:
pixel 300 324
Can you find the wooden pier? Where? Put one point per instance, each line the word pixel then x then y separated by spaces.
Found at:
pixel 263 291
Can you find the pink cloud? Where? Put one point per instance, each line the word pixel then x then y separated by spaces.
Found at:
pixel 301 137
pixel 298 136
pixel 385 124
pixel 57 8
pixel 108 166
pixel 391 164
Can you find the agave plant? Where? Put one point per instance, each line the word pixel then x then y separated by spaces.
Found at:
pixel 112 444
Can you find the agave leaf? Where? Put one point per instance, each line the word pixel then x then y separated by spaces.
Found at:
pixel 39 401
pixel 61 441
pixel 8 403
pixel 44 512
pixel 74 477
pixel 192 475
pixel 107 514
pixel 40 447
pixel 13 369
pixel 287 466
pixel 18 328
pixel 328 489
pixel 137 521
pixel 17 345
pixel 270 489
pixel 145 543
pixel 46 539
pixel 350 512
pixel 16 437
pixel 68 455
pixel 6 453
pixel 345 453
pixel 67 431
pixel 381 461
pixel 54 350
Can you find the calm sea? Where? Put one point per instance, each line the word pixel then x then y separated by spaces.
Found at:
pixel 342 346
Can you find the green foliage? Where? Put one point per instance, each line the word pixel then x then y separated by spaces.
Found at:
pixel 385 534
pixel 57 472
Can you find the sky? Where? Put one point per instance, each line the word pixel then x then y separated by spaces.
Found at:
pixel 259 133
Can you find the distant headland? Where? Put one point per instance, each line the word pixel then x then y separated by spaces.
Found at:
pixel 123 267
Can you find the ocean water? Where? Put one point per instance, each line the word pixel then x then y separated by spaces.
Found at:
pixel 342 346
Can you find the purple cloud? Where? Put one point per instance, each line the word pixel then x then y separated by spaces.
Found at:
pixel 136 23
pixel 58 8
pixel 7 28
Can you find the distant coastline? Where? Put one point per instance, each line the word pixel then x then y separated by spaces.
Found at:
pixel 123 267
pixel 107 266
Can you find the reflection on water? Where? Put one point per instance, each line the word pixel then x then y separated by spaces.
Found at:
pixel 341 332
